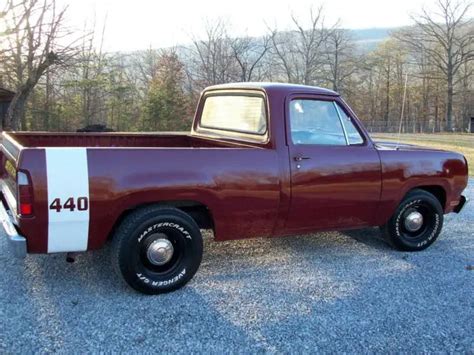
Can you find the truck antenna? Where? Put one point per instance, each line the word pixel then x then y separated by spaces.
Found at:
pixel 403 109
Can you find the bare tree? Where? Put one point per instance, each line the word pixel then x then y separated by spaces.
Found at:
pixel 35 42
pixel 91 63
pixel 447 38
pixel 467 96
pixel 340 56
pixel 300 51
pixel 212 58
pixel 249 52
pixel 144 64
pixel 5 11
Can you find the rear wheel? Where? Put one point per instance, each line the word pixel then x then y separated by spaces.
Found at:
pixel 416 223
pixel 157 249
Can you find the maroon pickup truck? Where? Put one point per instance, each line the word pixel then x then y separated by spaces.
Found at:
pixel 261 160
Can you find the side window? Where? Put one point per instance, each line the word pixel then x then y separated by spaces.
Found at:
pixel 353 135
pixel 315 122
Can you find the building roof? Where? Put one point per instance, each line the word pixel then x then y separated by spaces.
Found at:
pixel 266 86
pixel 6 95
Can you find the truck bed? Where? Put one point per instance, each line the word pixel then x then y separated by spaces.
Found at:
pixel 117 172
pixel 127 140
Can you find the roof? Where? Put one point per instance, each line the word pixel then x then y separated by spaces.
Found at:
pixel 266 86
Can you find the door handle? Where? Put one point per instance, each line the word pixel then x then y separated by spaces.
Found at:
pixel 300 158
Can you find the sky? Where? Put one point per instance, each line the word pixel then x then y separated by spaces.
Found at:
pixel 139 24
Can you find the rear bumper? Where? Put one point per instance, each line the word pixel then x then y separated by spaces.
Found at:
pixel 462 202
pixel 16 241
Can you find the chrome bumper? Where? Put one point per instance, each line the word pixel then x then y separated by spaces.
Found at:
pixel 16 241
pixel 462 202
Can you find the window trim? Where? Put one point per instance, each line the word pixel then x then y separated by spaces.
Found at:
pixel 339 107
pixel 342 123
pixel 237 93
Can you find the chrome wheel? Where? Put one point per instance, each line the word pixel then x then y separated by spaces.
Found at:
pixel 418 223
pixel 160 251
pixel 413 221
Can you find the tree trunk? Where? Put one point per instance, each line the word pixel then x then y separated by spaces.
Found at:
pixel 466 101
pixel 449 104
pixel 425 109
pixel 47 103
pixel 16 111
pixel 335 85
pixel 437 125
pixel 387 101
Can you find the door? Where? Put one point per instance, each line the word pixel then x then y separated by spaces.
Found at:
pixel 335 170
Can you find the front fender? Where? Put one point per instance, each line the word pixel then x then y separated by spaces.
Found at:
pixel 405 170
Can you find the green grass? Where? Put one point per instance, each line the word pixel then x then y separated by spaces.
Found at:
pixel 462 143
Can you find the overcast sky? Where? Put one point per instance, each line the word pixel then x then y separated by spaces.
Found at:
pixel 139 24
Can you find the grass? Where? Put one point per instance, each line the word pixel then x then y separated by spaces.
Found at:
pixel 462 143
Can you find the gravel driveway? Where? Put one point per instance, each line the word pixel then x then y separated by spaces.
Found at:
pixel 344 292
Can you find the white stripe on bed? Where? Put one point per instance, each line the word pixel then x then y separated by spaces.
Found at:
pixel 67 176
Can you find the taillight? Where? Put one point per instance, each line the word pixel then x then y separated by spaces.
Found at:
pixel 25 194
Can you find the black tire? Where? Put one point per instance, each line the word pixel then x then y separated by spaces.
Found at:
pixel 156 224
pixel 399 235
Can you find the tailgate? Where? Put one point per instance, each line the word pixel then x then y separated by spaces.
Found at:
pixel 10 153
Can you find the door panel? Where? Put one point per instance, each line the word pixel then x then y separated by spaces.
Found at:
pixel 337 187
pixel 333 185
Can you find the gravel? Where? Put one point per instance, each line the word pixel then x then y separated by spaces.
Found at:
pixel 327 292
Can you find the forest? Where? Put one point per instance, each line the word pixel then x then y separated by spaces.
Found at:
pixel 63 80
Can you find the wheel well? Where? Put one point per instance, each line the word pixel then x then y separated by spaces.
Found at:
pixel 199 212
pixel 437 191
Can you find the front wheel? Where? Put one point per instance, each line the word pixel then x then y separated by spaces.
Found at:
pixel 157 249
pixel 416 223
